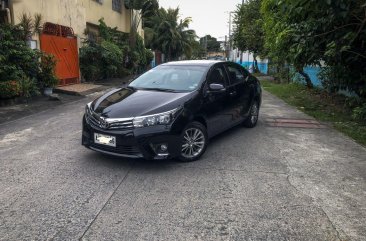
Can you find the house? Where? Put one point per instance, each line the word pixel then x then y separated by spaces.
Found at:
pixel 65 25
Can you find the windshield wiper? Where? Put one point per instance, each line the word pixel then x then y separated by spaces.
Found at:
pixel 161 89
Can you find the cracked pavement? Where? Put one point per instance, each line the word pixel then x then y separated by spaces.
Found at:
pixel 266 183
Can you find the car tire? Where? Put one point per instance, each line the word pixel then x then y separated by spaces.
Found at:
pixel 194 140
pixel 252 119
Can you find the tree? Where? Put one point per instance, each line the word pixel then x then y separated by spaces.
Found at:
pixel 30 25
pixel 210 43
pixel 111 56
pixel 197 50
pixel 304 32
pixel 145 9
pixel 249 34
pixel 170 35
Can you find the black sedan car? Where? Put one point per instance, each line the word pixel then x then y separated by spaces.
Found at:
pixel 172 110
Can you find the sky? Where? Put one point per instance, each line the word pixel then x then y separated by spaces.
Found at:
pixel 208 16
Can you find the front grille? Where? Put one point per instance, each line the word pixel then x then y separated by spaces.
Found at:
pixel 113 124
pixel 121 125
pixel 92 120
pixel 119 149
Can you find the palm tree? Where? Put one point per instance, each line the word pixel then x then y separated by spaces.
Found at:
pixel 187 36
pixel 30 25
pixel 165 33
pixel 140 11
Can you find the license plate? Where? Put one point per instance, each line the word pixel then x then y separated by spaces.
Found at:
pixel 104 139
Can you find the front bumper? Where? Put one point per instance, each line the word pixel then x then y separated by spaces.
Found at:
pixel 135 143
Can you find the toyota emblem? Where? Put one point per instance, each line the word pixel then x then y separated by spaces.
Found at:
pixel 103 123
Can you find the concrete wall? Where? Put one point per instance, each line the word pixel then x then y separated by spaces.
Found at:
pixel 312 71
pixel 95 11
pixel 247 60
pixel 74 13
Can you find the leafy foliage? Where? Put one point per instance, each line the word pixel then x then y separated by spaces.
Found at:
pixel 100 60
pixel 90 61
pixel 328 33
pixel 323 106
pixel 359 113
pixel 304 32
pixel 147 9
pixel 21 71
pixel 249 34
pixel 46 76
pixel 28 87
pixel 137 4
pixel 198 51
pixel 210 43
pixel 16 58
pixel 24 71
pixel 112 56
pixel 9 89
pixel 169 34
pixel 30 25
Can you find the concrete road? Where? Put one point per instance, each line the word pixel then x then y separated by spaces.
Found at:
pixel 266 183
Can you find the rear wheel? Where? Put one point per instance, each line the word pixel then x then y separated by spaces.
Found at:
pixel 193 142
pixel 252 119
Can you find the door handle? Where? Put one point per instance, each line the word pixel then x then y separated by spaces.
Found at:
pixel 232 93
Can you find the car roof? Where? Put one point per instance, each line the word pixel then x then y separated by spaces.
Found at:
pixel 194 62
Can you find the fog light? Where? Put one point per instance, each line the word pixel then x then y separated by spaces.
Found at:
pixel 163 147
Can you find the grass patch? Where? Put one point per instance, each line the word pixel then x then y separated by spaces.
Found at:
pixel 322 106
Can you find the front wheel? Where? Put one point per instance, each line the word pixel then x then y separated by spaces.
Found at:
pixel 193 142
pixel 252 119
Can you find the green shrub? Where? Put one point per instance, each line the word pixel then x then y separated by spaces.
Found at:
pixel 102 60
pixel 111 56
pixel 123 72
pixel 90 62
pixel 359 113
pixel 112 59
pixel 332 78
pixel 149 55
pixel 47 77
pixel 353 102
pixel 9 89
pixel 16 58
pixel 20 68
pixel 28 87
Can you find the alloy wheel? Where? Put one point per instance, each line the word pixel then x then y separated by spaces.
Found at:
pixel 193 143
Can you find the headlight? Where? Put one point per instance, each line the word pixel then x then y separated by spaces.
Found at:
pixel 164 118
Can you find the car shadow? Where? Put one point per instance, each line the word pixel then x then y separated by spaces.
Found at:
pixel 110 161
pixel 164 164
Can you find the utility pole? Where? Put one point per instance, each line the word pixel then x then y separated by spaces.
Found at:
pixel 230 39
pixel 230 30
pixel 226 48
pixel 206 45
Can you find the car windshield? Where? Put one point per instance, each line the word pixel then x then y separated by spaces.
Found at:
pixel 170 78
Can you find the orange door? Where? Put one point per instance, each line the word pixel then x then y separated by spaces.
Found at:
pixel 65 51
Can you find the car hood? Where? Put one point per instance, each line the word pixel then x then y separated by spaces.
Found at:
pixel 128 102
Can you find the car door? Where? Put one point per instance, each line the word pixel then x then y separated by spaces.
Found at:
pixel 216 103
pixel 239 92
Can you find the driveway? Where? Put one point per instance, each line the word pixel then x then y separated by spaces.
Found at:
pixel 289 178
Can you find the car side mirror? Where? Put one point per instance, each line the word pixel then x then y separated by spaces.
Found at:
pixel 216 88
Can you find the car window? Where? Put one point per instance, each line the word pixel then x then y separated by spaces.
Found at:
pixel 236 74
pixel 217 76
